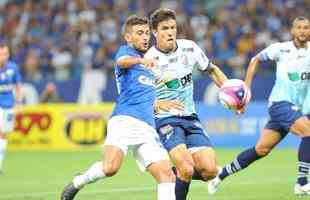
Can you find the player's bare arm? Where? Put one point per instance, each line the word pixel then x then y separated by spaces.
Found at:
pixel 252 68
pixel 164 105
pixel 216 75
pixel 130 61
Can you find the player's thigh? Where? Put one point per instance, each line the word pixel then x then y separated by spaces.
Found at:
pixel 112 159
pixel 285 117
pixel 301 127
pixel 206 160
pixel 154 157
pixel 267 141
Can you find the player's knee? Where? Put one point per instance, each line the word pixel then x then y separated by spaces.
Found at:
pixel 262 151
pixel 186 171
pixel 110 169
pixel 165 175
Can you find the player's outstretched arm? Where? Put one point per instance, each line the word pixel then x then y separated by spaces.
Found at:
pixel 130 61
pixel 166 105
pixel 252 68
pixel 216 75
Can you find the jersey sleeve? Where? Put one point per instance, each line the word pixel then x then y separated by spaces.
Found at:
pixel 202 61
pixel 124 52
pixel 269 53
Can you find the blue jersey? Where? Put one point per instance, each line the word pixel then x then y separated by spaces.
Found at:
pixel 136 88
pixel 9 77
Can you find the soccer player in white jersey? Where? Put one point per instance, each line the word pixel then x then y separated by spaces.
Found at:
pixel 10 93
pixel 131 126
pixel 286 102
pixel 177 123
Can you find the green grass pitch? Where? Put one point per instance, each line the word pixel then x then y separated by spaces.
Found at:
pixel 31 175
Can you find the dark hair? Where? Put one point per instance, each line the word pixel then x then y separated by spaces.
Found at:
pixel 300 18
pixel 161 14
pixel 133 20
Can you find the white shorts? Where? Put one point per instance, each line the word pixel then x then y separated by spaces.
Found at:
pixel 6 120
pixel 128 133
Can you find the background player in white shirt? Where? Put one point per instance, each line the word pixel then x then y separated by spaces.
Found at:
pixel 286 102
pixel 177 123
pixel 10 94
pixel 131 126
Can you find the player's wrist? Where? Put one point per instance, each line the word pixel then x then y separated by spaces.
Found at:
pixel 141 61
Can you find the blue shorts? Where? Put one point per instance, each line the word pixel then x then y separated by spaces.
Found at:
pixel 282 114
pixel 182 130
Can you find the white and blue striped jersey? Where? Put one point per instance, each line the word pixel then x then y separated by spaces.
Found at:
pixel 9 78
pixel 174 74
pixel 292 73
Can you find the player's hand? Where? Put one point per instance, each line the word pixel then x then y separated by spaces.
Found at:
pixel 149 63
pixel 161 105
pixel 240 111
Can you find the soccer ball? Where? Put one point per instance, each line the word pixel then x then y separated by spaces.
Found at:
pixel 234 94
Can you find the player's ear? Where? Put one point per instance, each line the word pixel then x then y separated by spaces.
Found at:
pixel 127 37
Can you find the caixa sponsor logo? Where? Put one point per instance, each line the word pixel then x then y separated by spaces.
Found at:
pixel 86 128
pixel 25 122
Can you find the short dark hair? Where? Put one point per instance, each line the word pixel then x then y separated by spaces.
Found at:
pixel 161 14
pixel 133 20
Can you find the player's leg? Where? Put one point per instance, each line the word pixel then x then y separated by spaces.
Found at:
pixel 113 154
pixel 203 154
pixel 3 144
pixel 153 157
pixel 112 160
pixel 184 163
pixel 301 127
pixel 6 126
pixel 268 140
pixel 173 139
pixel 205 163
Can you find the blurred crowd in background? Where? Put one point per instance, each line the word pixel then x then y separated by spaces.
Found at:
pixel 60 39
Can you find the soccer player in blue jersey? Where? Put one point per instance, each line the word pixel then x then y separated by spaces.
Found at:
pixel 10 93
pixel 177 123
pixel 131 126
pixel 286 102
